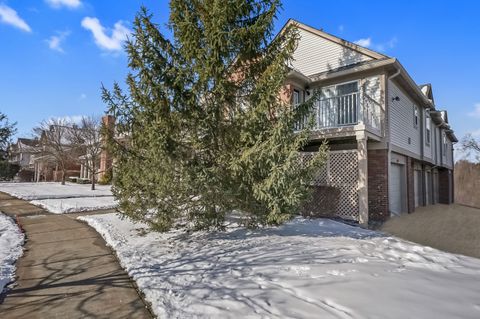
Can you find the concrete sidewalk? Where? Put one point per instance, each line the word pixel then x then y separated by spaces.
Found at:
pixel 67 271
pixel 453 228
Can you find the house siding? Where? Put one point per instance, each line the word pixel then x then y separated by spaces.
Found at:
pixel 401 120
pixel 449 158
pixel 428 147
pixel 438 145
pixel 316 54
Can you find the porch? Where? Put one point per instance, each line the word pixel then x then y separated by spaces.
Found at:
pixel 343 115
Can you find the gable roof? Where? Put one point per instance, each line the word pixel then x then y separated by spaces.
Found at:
pixel 427 90
pixel 27 141
pixel 347 44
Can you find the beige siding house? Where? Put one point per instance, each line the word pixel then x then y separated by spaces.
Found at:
pixel 391 148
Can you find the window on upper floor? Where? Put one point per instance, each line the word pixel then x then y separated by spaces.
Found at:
pixel 427 128
pixel 415 116
pixel 296 97
pixel 347 88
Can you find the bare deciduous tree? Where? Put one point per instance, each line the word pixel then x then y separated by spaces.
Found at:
pixel 56 135
pixel 88 137
pixel 471 145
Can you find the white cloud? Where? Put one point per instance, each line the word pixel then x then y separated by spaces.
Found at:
pixel 10 16
pixel 102 39
pixel 71 4
pixel 476 111
pixel 83 96
pixel 76 119
pixel 368 43
pixel 364 42
pixel 55 41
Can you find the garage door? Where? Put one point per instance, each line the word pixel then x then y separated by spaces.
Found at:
pixel 396 188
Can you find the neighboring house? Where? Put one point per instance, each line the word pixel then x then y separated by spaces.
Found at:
pixel 46 167
pixel 391 148
pixel 85 168
pixel 21 152
pixel 106 159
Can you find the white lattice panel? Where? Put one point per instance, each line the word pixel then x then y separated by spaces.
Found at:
pixel 341 172
pixel 321 176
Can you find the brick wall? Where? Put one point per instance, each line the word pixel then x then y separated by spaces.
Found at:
pixel 105 157
pixel 378 185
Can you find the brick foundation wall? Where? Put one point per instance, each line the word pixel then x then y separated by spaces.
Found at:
pixel 378 185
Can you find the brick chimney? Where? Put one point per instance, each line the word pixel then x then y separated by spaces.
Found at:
pixel 106 159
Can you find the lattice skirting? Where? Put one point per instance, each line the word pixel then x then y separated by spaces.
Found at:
pixel 340 172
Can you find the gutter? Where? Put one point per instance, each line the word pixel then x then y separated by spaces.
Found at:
pixel 369 66
pixel 413 85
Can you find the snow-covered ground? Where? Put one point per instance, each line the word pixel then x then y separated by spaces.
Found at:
pixel 304 269
pixel 11 241
pixel 77 204
pixel 60 199
pixel 31 191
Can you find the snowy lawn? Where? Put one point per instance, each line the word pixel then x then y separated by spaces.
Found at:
pixel 30 191
pixel 78 204
pixel 305 269
pixel 11 241
pixel 60 199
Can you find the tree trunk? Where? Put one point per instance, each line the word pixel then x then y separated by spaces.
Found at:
pixel 63 176
pixel 93 175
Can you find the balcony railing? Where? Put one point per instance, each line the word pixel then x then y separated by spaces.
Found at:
pixel 344 110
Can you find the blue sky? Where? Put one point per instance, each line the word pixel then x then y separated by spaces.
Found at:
pixel 54 54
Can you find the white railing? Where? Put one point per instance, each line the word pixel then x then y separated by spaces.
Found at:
pixel 344 110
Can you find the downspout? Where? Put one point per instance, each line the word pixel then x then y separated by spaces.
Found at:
pixel 422 153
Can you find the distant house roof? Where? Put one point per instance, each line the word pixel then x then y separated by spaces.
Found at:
pixel 27 141
pixel 27 145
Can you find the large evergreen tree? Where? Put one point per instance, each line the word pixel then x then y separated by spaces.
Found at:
pixel 7 130
pixel 203 127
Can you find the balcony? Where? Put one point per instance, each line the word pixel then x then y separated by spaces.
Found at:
pixel 345 113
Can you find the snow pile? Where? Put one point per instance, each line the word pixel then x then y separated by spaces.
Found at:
pixel 11 241
pixel 305 269
pixel 60 199
pixel 31 191
pixel 78 204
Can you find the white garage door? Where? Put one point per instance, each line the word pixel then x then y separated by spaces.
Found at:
pixel 396 188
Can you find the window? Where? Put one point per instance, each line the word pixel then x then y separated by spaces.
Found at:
pixel 415 116
pixel 347 88
pixel 296 97
pixel 427 128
